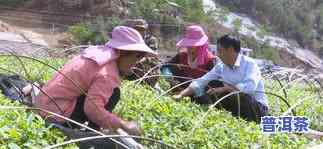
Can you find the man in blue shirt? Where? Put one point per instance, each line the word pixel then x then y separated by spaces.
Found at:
pixel 235 72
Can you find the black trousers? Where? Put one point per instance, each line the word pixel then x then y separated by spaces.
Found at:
pixel 240 105
pixel 80 116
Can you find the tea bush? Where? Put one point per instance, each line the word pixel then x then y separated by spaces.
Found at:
pixel 175 123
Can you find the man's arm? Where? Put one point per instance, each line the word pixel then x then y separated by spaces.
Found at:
pixel 227 88
pixel 186 92
pixel 198 85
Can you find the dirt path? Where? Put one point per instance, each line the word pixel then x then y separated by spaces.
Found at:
pixel 37 27
pixel 22 41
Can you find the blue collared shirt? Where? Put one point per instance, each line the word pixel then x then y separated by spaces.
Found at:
pixel 244 75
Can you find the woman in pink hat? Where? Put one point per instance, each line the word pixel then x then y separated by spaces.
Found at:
pixel 89 88
pixel 194 59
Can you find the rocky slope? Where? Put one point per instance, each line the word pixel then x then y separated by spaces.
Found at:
pixel 68 12
pixel 290 55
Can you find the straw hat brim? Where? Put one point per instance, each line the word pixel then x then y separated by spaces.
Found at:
pixel 136 47
pixel 188 42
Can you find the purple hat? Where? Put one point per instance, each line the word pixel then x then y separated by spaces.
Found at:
pixel 128 39
pixel 194 36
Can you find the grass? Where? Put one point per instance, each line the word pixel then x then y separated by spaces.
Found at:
pixel 175 123
pixel 23 129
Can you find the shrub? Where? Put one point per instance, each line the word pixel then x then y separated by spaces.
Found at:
pixel 11 2
pixel 94 32
pixel 81 33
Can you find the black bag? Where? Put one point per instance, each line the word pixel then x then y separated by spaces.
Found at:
pixel 12 85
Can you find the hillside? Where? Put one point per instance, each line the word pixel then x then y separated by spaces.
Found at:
pixel 301 21
pixel 167 21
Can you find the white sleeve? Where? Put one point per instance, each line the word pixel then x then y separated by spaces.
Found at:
pixel 199 84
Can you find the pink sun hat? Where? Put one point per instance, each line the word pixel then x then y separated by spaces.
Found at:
pixel 128 39
pixel 194 36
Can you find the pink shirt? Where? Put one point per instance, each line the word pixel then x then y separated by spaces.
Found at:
pixel 96 80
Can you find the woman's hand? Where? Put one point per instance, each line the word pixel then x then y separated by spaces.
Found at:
pixel 177 97
pixel 131 128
